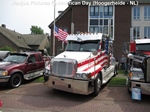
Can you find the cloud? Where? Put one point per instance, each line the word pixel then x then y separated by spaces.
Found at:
pixel 19 15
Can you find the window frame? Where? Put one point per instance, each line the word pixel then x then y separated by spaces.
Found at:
pixel 107 10
pixel 94 11
pixel 146 12
pixel 136 35
pixel 136 13
pixel 147 32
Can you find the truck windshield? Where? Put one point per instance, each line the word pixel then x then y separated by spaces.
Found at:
pixel 143 47
pixel 15 58
pixel 82 46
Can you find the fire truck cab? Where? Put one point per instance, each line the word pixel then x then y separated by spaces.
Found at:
pixel 139 72
pixel 84 66
pixel 138 45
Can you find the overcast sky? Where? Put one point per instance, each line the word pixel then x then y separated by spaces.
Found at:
pixel 19 15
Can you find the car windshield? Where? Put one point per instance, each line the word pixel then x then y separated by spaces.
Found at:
pixel 82 46
pixel 143 47
pixel 15 58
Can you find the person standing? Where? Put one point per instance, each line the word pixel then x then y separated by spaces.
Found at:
pixel 112 59
pixel 123 61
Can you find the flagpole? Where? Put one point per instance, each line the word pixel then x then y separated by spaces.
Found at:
pixel 54 30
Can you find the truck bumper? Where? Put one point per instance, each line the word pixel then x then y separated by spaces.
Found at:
pixel 145 87
pixel 70 85
pixel 4 79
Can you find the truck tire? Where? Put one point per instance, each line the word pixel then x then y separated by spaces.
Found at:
pixel 97 85
pixel 15 80
pixel 129 88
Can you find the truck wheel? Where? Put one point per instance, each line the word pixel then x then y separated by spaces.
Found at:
pixel 129 89
pixel 97 86
pixel 15 81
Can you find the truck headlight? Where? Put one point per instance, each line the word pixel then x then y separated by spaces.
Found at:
pixel 136 76
pixel 82 76
pixel 4 73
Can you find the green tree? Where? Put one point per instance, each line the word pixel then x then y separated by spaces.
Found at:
pixel 36 30
pixel 6 48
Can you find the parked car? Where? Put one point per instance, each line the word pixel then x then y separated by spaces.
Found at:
pixel 4 54
pixel 21 66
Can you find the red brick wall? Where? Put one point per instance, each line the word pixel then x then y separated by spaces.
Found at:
pixel 80 18
pixel 122 28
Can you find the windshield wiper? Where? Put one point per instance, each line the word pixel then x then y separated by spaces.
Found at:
pixel 87 50
pixel 70 50
pixel 12 61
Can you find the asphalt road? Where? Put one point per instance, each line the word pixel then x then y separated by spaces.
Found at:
pixel 33 97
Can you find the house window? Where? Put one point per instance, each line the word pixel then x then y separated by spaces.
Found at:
pixel 93 22
pixel 105 30
pixel 99 19
pixel 136 32
pixel 94 11
pixel 105 21
pixel 136 12
pixel 94 29
pixel 147 32
pixel 101 11
pixel 108 11
pixel 100 29
pixel 147 12
pixel 19 37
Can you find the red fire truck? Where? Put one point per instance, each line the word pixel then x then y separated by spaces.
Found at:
pixel 84 65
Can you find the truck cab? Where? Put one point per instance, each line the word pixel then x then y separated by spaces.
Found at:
pixel 139 73
pixel 84 65
pixel 138 45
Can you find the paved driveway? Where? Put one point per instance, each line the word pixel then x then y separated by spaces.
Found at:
pixel 33 97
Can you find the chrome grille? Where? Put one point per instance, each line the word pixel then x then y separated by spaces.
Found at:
pixel 62 68
pixel 148 70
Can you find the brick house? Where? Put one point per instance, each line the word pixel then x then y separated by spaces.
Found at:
pixel 124 22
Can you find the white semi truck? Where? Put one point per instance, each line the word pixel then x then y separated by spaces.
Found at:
pixel 83 67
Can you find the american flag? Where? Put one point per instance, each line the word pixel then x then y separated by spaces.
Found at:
pixel 60 34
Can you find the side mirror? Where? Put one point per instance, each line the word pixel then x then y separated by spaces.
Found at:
pixel 94 52
pixel 130 56
pixel 1 59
